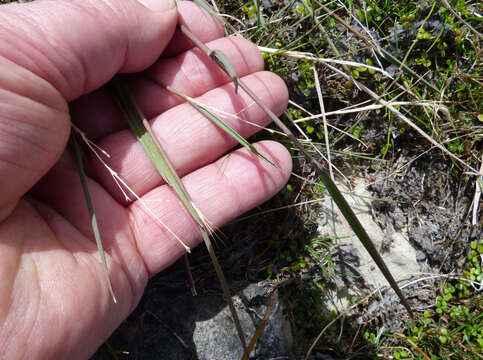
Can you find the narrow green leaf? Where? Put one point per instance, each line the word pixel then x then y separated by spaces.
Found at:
pixel 361 234
pixel 231 132
pixel 223 62
pixel 90 207
pixel 338 198
pixel 135 118
pixel 218 122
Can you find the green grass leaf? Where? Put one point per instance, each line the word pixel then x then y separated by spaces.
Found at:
pixel 223 62
pixel 90 207
pixel 231 132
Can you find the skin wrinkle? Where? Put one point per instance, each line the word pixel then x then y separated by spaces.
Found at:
pixel 98 15
pixel 16 270
pixel 9 291
pixel 133 224
pixel 126 41
pixel 59 104
pixel 186 80
pixel 26 132
pixel 201 67
pixel 111 247
pixel 207 18
pixel 37 125
pixel 69 87
pixel 106 17
pixel 239 51
pixel 14 139
pixel 188 225
pixel 45 39
pixel 31 24
pixel 83 70
pixel 38 302
pixel 14 164
pixel 35 283
pixel 230 184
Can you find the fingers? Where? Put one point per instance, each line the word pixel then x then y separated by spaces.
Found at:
pixel 34 126
pixel 52 51
pixel 191 73
pixel 190 139
pixel 221 191
pixel 79 45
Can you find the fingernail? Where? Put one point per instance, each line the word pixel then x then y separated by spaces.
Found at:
pixel 159 5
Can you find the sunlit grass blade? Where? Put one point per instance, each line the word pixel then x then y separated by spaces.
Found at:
pixel 218 122
pixel 92 214
pixel 338 199
pixel 158 156
pixel 232 133
pixel 361 234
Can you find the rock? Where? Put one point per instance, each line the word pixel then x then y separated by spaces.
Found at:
pixel 216 337
pixel 400 257
pixel 170 324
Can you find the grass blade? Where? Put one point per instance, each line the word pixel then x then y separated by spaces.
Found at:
pixel 90 207
pixel 223 62
pixel 338 199
pixel 158 156
pixel 218 122
pixel 232 133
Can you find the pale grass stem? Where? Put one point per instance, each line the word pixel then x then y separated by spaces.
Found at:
pixel 324 119
pixel 124 186
pixel 310 57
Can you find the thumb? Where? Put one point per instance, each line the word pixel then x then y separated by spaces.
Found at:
pixel 54 51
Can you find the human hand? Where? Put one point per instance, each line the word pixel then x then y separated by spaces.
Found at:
pixel 54 301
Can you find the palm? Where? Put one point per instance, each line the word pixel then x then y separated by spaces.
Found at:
pixel 54 295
